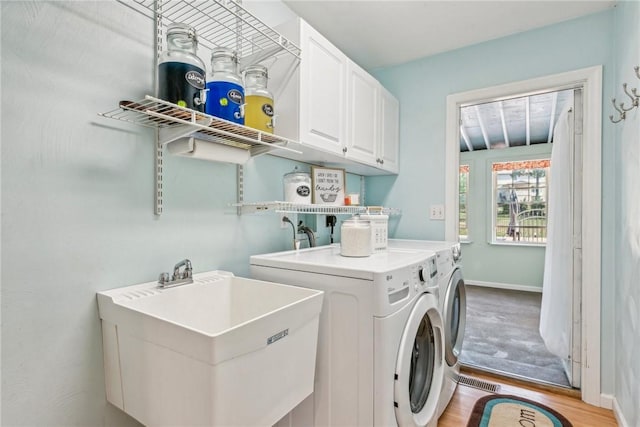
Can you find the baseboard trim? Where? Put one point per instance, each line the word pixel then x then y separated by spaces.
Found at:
pixel 606 401
pixel 509 286
pixel 617 412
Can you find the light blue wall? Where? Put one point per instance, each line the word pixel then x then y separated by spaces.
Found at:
pixel 627 230
pixel 422 87
pixel 77 189
pixel 502 263
pixel 77 203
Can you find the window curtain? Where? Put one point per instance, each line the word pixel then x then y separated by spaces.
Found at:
pixel 556 308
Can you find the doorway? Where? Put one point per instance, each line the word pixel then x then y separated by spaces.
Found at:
pixel 507 180
pixel 590 81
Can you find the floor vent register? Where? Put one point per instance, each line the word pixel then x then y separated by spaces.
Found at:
pixel 479 384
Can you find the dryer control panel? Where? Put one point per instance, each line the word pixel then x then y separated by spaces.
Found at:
pixel 403 284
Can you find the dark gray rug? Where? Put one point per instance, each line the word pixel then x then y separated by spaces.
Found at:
pixel 502 335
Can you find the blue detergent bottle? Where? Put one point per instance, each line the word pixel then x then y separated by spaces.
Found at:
pixel 225 96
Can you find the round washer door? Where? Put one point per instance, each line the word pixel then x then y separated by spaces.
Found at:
pixel 420 366
pixel 454 314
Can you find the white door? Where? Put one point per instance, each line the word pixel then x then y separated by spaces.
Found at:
pixel 389 144
pixel 454 314
pixel 420 365
pixel 362 106
pixel 322 92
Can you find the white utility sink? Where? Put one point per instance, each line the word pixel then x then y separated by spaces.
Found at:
pixel 221 351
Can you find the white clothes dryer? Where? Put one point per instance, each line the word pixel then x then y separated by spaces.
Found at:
pixel 380 358
pixel 452 306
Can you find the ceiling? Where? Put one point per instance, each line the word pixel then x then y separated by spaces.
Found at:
pixel 383 33
pixel 515 122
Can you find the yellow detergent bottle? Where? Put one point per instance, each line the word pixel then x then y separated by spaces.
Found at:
pixel 258 109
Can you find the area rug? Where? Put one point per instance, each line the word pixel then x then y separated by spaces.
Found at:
pixel 505 411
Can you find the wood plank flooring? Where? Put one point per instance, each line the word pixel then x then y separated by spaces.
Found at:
pixel 579 413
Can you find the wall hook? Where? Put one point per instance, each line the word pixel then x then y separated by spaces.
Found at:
pixel 623 114
pixel 616 121
pixel 633 95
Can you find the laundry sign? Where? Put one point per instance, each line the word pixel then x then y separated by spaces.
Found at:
pixel 328 186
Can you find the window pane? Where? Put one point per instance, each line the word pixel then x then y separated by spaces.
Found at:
pixel 520 191
pixel 463 192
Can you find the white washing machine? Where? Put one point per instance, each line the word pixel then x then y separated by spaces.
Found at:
pixel 380 358
pixel 453 305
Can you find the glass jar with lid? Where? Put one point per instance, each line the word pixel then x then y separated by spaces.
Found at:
pixel 258 112
pixel 181 73
pixel 297 187
pixel 355 237
pixel 226 91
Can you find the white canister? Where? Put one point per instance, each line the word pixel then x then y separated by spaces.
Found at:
pixel 297 187
pixel 355 238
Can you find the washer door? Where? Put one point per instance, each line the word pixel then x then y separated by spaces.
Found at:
pixel 454 314
pixel 419 367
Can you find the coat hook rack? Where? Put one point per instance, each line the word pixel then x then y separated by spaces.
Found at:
pixel 633 96
pixel 623 114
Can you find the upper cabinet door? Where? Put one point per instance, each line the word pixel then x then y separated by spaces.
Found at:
pixel 388 150
pixel 363 114
pixel 322 92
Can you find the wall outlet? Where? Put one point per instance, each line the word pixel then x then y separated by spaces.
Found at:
pixel 282 223
pixel 436 212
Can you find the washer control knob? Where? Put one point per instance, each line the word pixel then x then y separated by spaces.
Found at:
pixel 421 274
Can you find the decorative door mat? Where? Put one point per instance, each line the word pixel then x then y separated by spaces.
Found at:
pixel 505 411
pixel 479 384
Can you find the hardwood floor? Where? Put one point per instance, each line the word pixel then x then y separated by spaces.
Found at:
pixel 579 413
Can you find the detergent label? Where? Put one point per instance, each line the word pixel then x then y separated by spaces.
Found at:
pixel 303 190
pixel 195 79
pixel 268 109
pixel 235 96
pixel 224 100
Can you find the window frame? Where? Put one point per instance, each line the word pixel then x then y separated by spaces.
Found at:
pixel 466 237
pixel 493 205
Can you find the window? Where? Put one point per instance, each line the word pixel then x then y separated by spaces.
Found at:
pixel 520 195
pixel 463 193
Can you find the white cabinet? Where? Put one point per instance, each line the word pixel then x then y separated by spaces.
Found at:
pixel 322 112
pixel 363 101
pixel 310 103
pixel 389 142
pixel 340 114
pixel 373 121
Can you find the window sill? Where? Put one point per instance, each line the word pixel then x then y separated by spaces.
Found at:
pixel 525 244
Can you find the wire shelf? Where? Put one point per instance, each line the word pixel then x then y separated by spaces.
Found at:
pixel 168 118
pixel 222 23
pixel 286 207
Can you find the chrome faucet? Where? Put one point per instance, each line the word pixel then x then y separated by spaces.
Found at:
pixel 309 232
pixel 178 278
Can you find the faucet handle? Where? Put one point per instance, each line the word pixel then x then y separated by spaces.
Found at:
pixel 164 278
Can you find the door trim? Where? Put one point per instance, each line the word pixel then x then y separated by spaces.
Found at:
pixel 590 80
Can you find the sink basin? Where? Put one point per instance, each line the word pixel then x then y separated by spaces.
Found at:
pixel 223 350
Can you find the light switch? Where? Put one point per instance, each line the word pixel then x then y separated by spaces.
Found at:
pixel 436 212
